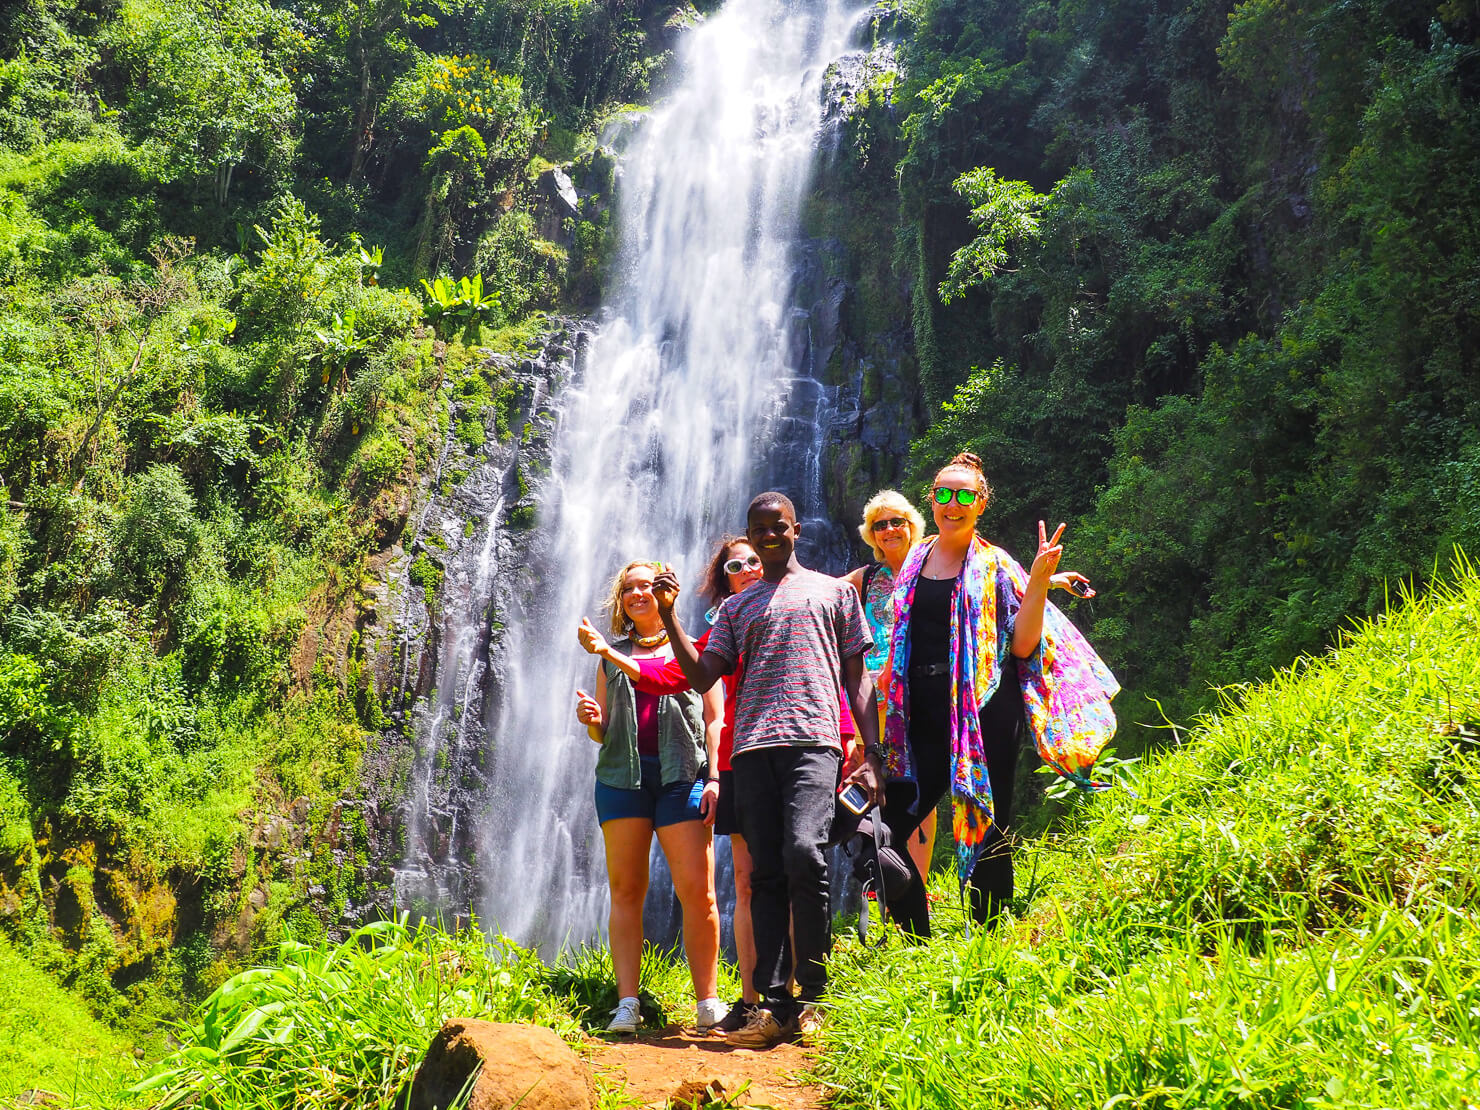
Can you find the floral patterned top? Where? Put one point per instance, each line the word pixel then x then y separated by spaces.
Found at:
pixel 878 611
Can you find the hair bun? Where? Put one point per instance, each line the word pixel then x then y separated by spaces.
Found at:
pixel 966 458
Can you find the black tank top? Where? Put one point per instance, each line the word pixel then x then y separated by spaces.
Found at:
pixel 930 621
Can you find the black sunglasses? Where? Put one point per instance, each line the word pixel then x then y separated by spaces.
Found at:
pixel 893 522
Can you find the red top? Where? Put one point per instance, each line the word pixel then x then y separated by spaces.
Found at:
pixel 647 723
pixel 659 676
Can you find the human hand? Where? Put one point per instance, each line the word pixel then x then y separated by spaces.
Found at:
pixel 1047 559
pixel 665 591
pixel 1077 584
pixel 591 640
pixel 709 801
pixel 870 776
pixel 588 710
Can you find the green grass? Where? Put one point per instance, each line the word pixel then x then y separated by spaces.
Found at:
pixel 345 1025
pixel 1283 914
pixel 584 980
pixel 49 1041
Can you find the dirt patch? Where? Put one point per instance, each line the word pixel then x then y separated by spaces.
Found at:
pixel 676 1065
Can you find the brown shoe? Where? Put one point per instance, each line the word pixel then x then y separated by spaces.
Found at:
pixel 735 1020
pixel 761 1031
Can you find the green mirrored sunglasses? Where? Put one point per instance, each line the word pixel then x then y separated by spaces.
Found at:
pixel 964 497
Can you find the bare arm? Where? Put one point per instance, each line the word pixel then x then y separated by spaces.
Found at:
pixel 714 724
pixel 591 711
pixel 1027 631
pixel 854 578
pixel 596 644
pixel 702 671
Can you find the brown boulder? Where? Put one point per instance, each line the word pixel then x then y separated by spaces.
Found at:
pixel 526 1066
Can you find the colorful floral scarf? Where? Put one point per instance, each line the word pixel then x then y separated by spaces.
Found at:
pixel 1066 687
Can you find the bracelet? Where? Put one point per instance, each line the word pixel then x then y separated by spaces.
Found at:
pixel 713 780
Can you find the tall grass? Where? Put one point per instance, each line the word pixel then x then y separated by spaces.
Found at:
pixel 1283 914
pixel 345 1025
pixel 49 1041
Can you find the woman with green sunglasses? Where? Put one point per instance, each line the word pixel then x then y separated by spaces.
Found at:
pixel 975 653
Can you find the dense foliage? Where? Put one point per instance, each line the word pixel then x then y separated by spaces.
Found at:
pixel 1282 913
pixel 246 249
pixel 345 1025
pixel 1200 279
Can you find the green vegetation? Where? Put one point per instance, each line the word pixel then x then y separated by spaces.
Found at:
pixel 1282 914
pixel 224 232
pixel 1197 278
pixel 345 1025
pixel 49 1041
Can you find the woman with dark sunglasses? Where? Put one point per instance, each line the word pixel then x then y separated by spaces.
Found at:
pixel 975 653
pixel 891 527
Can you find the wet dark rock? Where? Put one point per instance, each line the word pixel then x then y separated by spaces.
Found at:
pixel 436 666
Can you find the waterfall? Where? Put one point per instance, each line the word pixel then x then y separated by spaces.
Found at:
pixel 685 403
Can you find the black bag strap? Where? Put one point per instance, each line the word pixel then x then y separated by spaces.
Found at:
pixel 875 818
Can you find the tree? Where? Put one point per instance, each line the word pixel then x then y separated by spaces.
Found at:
pixel 210 87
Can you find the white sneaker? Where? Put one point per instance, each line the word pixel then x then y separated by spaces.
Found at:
pixel 626 1017
pixel 709 1013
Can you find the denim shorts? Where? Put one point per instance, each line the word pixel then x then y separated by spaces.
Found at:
pixel 662 805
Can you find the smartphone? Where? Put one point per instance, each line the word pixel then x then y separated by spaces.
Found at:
pixel 1081 589
pixel 855 799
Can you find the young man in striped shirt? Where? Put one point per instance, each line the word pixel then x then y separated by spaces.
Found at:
pixel 802 635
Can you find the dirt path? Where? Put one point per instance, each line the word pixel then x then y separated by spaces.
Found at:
pixel 678 1066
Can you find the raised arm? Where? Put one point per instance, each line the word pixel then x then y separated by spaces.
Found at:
pixel 596 644
pixel 1027 631
pixel 702 670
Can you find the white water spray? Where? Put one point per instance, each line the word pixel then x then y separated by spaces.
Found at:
pixel 660 444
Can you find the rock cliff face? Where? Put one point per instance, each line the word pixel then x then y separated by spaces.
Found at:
pixel 858 299
pixel 447 591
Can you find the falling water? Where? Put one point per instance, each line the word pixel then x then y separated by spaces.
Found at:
pixel 682 408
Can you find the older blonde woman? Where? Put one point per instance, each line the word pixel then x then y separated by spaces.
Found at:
pixel 891 526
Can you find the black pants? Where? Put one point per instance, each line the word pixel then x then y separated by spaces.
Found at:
pixel 930 743
pixel 785 800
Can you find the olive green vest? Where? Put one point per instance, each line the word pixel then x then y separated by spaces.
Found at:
pixel 680 733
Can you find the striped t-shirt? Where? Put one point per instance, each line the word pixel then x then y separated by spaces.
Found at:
pixel 793 636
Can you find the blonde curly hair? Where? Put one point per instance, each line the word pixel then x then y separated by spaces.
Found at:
pixel 894 502
pixel 621 624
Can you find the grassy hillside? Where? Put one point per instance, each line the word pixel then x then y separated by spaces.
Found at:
pixel 49 1041
pixel 1283 914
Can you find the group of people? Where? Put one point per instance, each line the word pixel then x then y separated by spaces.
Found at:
pixel 908 678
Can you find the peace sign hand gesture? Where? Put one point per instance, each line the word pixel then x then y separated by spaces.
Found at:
pixel 1049 552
